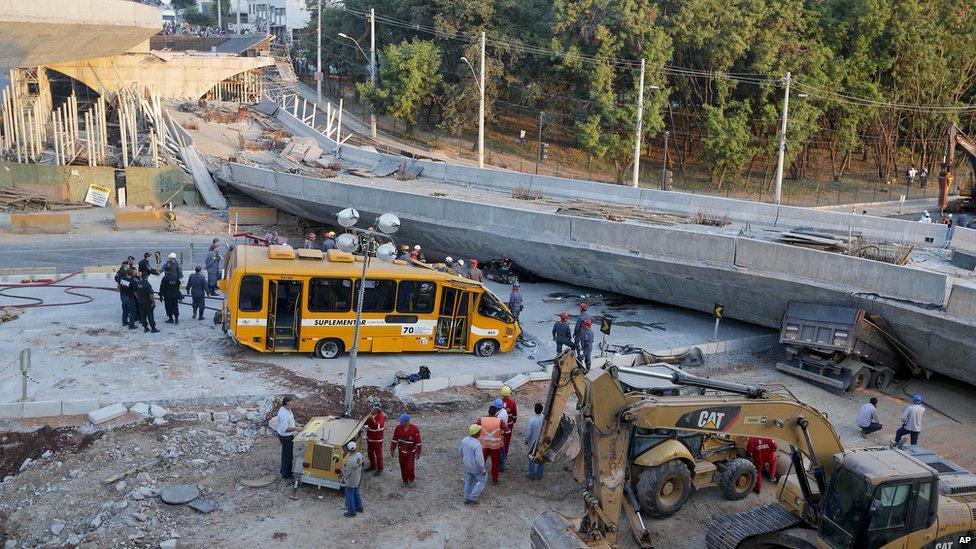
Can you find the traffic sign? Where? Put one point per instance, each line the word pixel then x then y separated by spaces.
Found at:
pixel 719 310
pixel 605 324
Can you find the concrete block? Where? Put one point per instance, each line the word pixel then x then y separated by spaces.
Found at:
pixel 47 223
pixel 131 220
pixel 488 384
pixel 402 390
pixel 962 301
pixel 11 410
pixel 252 216
pixel 185 416
pixel 42 408
pixel 158 411
pixel 517 381
pixel 221 416
pixel 78 406
pixel 107 413
pixel 140 408
pixel 436 384
pixel 204 416
pixel 963 239
pixel 539 376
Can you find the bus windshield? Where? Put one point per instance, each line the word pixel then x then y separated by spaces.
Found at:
pixel 492 308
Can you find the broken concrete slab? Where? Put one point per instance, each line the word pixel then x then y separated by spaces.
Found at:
pixel 179 494
pixel 202 505
pixel 488 384
pixel 78 406
pixel 539 376
pixel 108 413
pixel 517 381
pixel 140 408
pixel 157 411
pixel 259 482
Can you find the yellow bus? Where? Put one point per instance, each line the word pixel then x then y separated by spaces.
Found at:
pixel 278 299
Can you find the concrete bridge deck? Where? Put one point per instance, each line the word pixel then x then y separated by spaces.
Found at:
pixel 39 32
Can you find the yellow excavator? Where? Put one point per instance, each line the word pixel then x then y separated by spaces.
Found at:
pixel 828 497
pixel 947 176
pixel 666 465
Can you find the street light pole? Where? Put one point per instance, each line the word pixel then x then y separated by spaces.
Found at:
pixel 237 10
pixel 538 155
pixel 219 22
pixel 351 370
pixel 318 65
pixel 640 122
pixel 481 107
pixel 372 68
pixel 782 140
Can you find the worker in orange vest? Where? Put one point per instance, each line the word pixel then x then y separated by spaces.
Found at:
pixel 375 436
pixel 492 440
pixel 406 437
pixel 763 454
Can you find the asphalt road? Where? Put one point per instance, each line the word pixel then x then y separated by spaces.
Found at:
pixel 70 253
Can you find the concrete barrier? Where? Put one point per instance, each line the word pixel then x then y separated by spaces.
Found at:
pixel 654 240
pixel 864 275
pixel 46 223
pixel 252 216
pixel 964 240
pixel 962 301
pixel 131 220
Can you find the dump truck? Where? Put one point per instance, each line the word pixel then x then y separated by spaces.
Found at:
pixel 841 348
pixel 828 497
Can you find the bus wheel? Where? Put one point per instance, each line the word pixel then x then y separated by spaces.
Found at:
pixel 328 348
pixel 486 347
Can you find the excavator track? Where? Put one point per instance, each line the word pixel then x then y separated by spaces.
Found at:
pixel 728 531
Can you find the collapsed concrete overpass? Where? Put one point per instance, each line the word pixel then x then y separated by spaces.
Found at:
pixel 39 32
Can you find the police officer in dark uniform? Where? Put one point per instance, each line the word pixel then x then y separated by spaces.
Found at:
pixel 125 280
pixel 144 303
pixel 196 285
pixel 144 268
pixel 169 290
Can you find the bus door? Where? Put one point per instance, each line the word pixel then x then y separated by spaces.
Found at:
pixel 284 314
pixel 452 320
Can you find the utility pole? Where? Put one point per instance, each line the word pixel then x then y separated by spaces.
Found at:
pixel 219 22
pixel 238 11
pixel 782 140
pixel 664 165
pixel 318 50
pixel 372 68
pixel 640 122
pixel 481 107
pixel 538 156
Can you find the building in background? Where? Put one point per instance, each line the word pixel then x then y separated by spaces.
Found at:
pixel 279 17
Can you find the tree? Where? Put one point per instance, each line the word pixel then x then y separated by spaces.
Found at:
pixel 728 145
pixel 593 34
pixel 184 4
pixel 409 79
pixel 193 16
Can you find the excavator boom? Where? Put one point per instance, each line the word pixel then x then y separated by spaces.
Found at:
pixel 955 138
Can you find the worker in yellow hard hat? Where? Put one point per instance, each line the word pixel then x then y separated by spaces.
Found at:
pixel 475 474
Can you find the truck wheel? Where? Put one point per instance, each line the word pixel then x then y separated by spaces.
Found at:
pixel 662 490
pixel 737 479
pixel 328 348
pixel 486 347
pixel 882 379
pixel 861 379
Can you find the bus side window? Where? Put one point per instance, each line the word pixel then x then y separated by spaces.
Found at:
pixel 330 295
pixel 379 297
pixel 415 296
pixel 250 298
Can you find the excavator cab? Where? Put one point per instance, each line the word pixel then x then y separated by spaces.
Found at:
pixel 876 497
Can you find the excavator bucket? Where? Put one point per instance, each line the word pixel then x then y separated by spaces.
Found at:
pixel 565 441
pixel 550 530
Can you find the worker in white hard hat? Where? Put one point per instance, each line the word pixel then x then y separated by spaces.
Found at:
pixel 420 253
pixel 352 476
pixel 448 265
pixel 173 264
pixel 926 218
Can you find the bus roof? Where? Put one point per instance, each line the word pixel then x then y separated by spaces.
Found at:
pixel 335 263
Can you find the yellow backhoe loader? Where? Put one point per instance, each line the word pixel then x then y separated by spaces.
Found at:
pixel 666 465
pixel 829 497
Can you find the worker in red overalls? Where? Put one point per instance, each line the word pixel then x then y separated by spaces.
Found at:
pixel 763 454
pixel 492 440
pixel 406 436
pixel 509 403
pixel 375 435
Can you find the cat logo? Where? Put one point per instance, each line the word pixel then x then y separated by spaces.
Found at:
pixel 719 418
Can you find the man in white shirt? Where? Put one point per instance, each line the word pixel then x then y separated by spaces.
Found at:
pixel 911 422
pixel 286 435
pixel 867 418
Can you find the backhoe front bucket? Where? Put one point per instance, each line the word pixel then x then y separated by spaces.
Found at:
pixel 550 530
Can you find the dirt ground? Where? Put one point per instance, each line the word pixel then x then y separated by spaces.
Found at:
pixel 65 490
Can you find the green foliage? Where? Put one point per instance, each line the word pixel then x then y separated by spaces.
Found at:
pixel 409 79
pixel 183 4
pixel 193 16
pixel 727 146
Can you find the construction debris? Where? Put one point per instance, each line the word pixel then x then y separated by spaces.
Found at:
pixel 19 199
pixel 10 313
